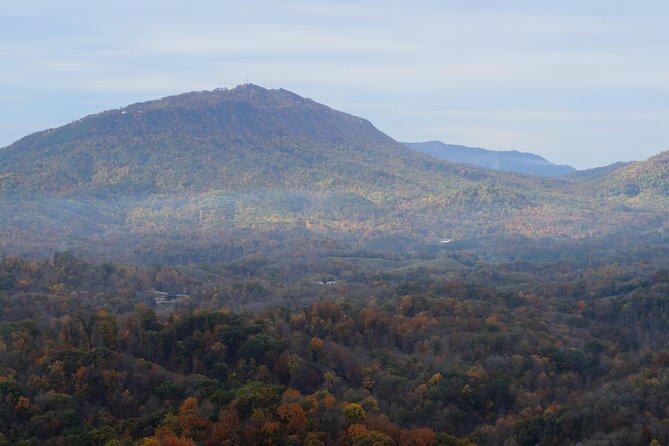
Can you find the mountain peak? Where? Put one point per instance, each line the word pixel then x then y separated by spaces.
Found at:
pixel 224 139
pixel 250 94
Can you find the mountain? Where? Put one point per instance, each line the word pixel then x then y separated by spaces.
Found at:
pixel 240 139
pixel 597 172
pixel 223 174
pixel 510 161
pixel 640 181
pixel 204 166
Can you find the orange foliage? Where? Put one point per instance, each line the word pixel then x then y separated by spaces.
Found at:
pixel 317 345
pixel 368 317
pixel 359 435
pixel 291 396
pixel 188 422
pixel 295 417
pixel 167 437
pixel 422 436
pixel 329 400
pixel 357 432
pixel 222 430
pixel 382 424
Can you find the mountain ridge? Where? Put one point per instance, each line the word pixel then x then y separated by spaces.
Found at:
pixel 507 160
pixel 597 172
pixel 268 170
pixel 647 177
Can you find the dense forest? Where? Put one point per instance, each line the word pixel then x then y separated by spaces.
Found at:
pixel 449 347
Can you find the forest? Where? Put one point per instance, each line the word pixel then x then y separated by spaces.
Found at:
pixel 250 267
pixel 206 174
pixel 449 346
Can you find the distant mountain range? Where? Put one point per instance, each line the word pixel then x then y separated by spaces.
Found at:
pixel 510 161
pixel 225 173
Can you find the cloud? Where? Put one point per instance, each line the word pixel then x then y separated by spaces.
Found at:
pixel 517 74
pixel 262 41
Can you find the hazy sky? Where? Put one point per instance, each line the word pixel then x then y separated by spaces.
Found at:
pixel 580 82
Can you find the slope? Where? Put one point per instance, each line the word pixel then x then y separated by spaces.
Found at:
pixel 596 172
pixel 247 138
pixel 249 171
pixel 510 161
pixel 648 178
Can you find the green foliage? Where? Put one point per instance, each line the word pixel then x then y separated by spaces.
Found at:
pixel 354 413
pixel 255 395
pixel 257 346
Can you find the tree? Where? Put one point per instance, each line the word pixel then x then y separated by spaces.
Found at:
pixel 167 437
pixel 255 395
pixel 359 435
pixel 223 429
pixel 317 346
pixel 422 436
pixel 354 413
pixel 188 423
pixel 294 416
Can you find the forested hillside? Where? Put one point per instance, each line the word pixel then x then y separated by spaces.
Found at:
pixel 358 350
pixel 222 174
pixel 640 183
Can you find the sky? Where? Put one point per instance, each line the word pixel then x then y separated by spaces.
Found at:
pixel 579 82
